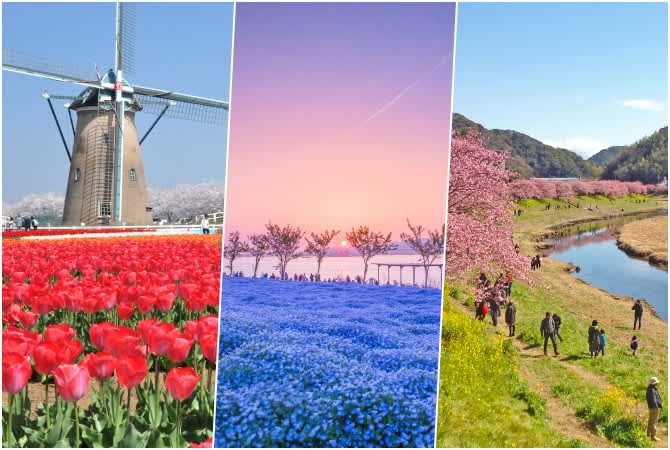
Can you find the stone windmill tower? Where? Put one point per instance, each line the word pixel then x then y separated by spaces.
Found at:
pixel 106 183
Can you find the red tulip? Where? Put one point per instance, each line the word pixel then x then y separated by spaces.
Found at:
pixel 107 300
pixel 204 444
pixel 27 319
pixel 208 325
pixel 191 328
pixel 72 381
pixel 48 356
pixel 124 310
pixel 97 332
pixel 143 328
pixel 100 365
pixel 131 369
pixel 120 340
pixel 159 338
pixel 71 349
pixel 145 303
pixel 208 347
pixel 165 301
pixel 16 372
pixel 180 347
pixel 181 381
pixel 55 333
pixel 42 304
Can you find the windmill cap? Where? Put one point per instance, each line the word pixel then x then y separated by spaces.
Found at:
pixel 653 380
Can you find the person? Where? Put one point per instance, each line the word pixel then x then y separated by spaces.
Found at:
pixel 548 331
pixel 204 224
pixel 634 344
pixel 33 222
pixel 495 311
pixel 655 404
pixel 26 223
pixel 510 318
pixel 602 341
pixel 639 309
pixel 594 339
pixel 557 324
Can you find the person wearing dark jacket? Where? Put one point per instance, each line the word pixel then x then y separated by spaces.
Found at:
pixel 637 307
pixel 494 310
pixel 655 404
pixel 510 318
pixel 557 324
pixel 548 331
pixel 594 339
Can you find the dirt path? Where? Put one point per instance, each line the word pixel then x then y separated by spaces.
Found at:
pixel 563 419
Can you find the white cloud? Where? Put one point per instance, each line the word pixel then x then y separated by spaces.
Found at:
pixel 585 147
pixel 644 104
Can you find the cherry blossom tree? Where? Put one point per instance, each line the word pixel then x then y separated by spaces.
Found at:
pixel 480 214
pixel 429 248
pixel 369 244
pixel 319 245
pixel 284 243
pixel 233 248
pixel 48 204
pixel 187 200
pixel 259 246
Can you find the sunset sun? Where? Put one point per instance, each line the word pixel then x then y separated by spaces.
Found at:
pixel 344 243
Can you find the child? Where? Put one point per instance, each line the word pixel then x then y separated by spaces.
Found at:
pixel 602 342
pixel 633 345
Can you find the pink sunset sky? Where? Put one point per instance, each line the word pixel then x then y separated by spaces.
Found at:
pixel 340 116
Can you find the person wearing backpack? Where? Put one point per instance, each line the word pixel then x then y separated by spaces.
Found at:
pixel 634 344
pixel 594 339
pixel 557 323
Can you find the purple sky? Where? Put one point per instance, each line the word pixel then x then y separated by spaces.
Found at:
pixel 340 115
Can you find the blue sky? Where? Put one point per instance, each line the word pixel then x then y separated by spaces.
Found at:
pixel 180 47
pixel 580 76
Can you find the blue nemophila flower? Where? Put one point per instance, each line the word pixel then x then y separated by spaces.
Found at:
pixel 326 365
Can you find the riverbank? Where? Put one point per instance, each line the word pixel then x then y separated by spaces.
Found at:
pixel 582 401
pixel 555 289
pixel 646 239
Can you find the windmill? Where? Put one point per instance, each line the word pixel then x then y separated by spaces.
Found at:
pixel 106 183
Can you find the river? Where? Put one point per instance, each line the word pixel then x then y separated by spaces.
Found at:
pixel 592 247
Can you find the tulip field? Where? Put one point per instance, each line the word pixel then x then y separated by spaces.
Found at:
pixel 326 365
pixel 109 341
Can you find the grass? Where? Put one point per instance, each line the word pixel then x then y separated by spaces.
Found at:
pixel 509 406
pixel 483 401
pixel 647 239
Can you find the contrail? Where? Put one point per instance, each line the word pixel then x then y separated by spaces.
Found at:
pixel 401 94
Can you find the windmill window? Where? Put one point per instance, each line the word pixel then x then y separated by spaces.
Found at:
pixel 77 175
pixel 132 175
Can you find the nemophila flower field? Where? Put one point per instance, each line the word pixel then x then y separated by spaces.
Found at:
pixel 121 331
pixel 326 365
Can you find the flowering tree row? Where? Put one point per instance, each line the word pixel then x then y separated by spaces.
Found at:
pixel 284 242
pixel 479 225
pixel 542 188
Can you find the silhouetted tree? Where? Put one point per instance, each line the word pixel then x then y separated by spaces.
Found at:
pixel 429 248
pixel 284 243
pixel 234 248
pixel 369 244
pixel 319 246
pixel 259 246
